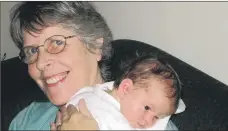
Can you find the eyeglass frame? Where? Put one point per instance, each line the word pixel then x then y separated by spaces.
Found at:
pixel 37 48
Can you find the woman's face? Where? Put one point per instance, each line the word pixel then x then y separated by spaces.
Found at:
pixel 63 74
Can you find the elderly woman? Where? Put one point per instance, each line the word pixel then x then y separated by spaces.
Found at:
pixel 64 44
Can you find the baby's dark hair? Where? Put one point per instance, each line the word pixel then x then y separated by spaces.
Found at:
pixel 147 66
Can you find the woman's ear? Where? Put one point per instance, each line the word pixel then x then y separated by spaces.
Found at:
pixel 125 87
pixel 98 51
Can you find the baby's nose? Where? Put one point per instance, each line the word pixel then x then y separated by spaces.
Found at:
pixel 142 123
pixel 149 120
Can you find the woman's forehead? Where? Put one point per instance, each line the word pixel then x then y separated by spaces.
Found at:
pixel 31 38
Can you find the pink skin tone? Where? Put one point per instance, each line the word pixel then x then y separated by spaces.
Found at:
pixel 80 68
pixel 75 65
pixel 133 100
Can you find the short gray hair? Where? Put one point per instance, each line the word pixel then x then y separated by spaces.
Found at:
pixel 80 17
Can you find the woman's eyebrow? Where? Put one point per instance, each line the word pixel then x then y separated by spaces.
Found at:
pixel 33 45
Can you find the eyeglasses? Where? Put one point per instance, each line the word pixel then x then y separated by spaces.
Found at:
pixel 53 45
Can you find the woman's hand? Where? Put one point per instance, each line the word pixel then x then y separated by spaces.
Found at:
pixel 71 119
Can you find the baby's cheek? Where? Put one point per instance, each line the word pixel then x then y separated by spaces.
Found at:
pixel 152 122
pixel 133 116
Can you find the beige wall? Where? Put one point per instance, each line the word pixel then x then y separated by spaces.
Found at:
pixel 195 32
pixel 7 45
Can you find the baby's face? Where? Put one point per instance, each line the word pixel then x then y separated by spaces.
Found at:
pixel 144 106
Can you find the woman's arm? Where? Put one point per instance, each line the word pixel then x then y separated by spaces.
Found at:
pixel 19 122
pixel 78 121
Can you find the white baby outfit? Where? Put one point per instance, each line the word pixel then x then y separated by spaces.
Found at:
pixel 106 110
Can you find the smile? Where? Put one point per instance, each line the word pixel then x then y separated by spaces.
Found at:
pixel 51 81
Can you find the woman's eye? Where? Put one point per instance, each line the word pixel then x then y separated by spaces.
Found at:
pixel 147 107
pixel 58 42
pixel 33 50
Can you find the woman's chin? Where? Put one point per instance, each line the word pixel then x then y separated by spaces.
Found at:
pixel 58 101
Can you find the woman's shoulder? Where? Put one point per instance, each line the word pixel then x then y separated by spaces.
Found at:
pixel 106 86
pixel 35 116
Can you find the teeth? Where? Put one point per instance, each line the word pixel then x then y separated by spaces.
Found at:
pixel 55 79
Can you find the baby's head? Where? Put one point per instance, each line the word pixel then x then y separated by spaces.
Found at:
pixel 148 90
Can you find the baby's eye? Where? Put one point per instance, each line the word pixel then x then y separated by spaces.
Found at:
pixel 147 107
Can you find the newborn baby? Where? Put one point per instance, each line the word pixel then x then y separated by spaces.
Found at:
pixel 144 97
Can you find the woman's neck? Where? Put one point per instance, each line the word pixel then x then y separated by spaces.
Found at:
pixel 98 79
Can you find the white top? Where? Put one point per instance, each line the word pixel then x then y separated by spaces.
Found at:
pixel 105 109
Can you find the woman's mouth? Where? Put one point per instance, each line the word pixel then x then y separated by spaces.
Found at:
pixel 56 79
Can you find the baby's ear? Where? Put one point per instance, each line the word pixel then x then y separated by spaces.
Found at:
pixel 125 86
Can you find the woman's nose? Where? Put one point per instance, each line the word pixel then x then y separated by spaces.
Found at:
pixel 44 60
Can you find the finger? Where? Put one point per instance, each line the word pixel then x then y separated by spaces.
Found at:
pixel 67 112
pixel 63 109
pixel 83 108
pixel 64 114
pixel 58 119
pixel 71 109
pixel 53 126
